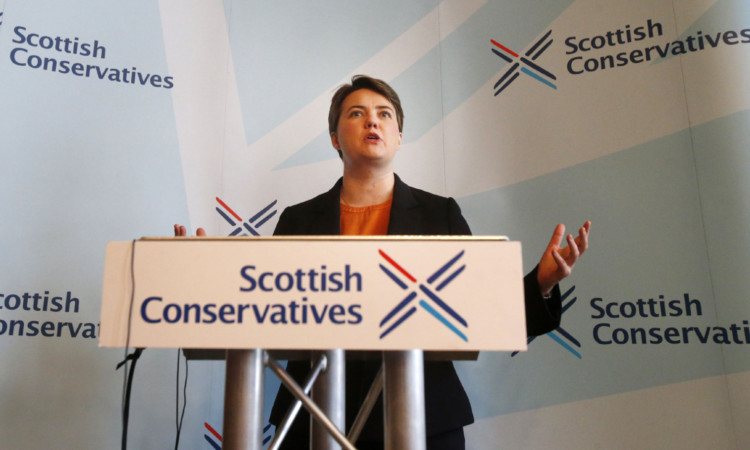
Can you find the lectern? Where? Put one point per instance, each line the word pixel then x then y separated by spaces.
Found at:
pixel 266 298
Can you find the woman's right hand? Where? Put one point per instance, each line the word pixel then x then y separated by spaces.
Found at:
pixel 180 230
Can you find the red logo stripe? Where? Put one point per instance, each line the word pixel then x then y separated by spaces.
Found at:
pixel 211 429
pixel 504 48
pixel 399 268
pixel 228 209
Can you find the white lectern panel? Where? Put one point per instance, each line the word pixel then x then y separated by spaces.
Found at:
pixel 385 293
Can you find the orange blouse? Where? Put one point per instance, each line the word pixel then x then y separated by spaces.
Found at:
pixel 365 220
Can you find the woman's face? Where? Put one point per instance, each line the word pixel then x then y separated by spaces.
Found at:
pixel 367 130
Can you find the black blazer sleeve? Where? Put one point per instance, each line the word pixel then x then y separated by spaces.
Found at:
pixel 542 315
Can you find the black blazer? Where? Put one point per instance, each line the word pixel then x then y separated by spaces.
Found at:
pixel 413 212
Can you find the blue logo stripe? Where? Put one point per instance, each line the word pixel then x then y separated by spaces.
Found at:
pixel 399 321
pixel 538 43
pixel 569 304
pixel 561 330
pixel 443 305
pixel 212 442
pixel 538 69
pixel 445 267
pixel 505 75
pixel 450 278
pixel 537 77
pixel 251 230
pixel 502 55
pixel 565 296
pixel 568 336
pixel 398 308
pixel 442 319
pixel 263 211
pixel 533 58
pixel 226 217
pixel 564 344
pixel 512 79
pixel 396 279
pixel 267 438
pixel 235 232
pixel 260 224
pixel 529 340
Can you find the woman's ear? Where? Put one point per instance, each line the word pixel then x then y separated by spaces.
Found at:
pixel 335 141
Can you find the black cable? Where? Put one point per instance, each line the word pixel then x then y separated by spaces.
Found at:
pixel 133 357
pixel 177 399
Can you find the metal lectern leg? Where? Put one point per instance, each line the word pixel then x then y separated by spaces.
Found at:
pixel 403 398
pixel 243 400
pixel 329 394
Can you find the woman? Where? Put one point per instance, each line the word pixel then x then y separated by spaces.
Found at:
pixel 365 124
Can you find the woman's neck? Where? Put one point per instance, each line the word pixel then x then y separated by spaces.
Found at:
pixel 367 190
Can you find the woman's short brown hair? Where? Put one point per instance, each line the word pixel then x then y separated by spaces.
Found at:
pixel 363 82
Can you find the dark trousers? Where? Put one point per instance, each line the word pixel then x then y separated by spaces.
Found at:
pixel 450 440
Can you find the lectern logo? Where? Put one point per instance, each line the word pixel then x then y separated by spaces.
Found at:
pixel 250 225
pixel 525 64
pixel 559 335
pixel 419 291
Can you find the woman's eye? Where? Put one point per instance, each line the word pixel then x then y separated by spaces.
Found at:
pixel 386 114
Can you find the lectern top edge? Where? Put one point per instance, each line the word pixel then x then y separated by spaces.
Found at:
pixel 328 238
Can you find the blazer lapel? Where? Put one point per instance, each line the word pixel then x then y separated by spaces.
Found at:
pixel 326 212
pixel 406 216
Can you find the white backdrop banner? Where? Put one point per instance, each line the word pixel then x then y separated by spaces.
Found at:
pixel 120 120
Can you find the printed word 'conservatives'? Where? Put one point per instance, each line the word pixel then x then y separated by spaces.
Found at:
pixel 666 312
pixel 24 55
pixel 692 43
pixel 154 310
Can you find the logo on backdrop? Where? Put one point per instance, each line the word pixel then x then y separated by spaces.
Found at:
pixel 215 439
pixel 661 320
pixel 435 283
pixel 653 321
pixel 250 225
pixel 608 50
pixel 560 335
pixel 525 64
